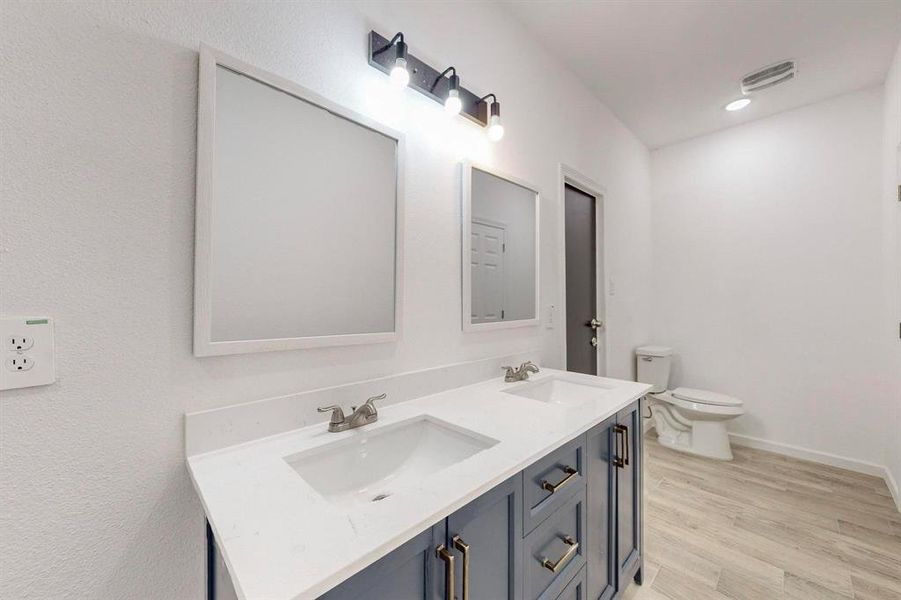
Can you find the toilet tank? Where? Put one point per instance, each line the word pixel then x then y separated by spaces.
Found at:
pixel 654 366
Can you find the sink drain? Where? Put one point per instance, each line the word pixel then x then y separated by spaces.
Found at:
pixel 380 497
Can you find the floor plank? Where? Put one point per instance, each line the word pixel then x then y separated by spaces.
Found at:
pixel 765 526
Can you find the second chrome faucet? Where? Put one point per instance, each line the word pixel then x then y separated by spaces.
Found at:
pixel 520 374
pixel 365 414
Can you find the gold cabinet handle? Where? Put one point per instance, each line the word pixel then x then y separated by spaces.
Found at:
pixel 553 487
pixel 449 575
pixel 553 567
pixel 463 547
pixel 619 430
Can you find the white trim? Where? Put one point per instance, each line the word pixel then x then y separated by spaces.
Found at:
pixel 892 486
pixel 210 58
pixel 851 464
pixel 465 234
pixel 571 176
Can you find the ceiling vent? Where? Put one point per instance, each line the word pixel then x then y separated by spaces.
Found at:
pixel 768 76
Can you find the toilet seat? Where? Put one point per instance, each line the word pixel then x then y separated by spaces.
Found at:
pixel 704 397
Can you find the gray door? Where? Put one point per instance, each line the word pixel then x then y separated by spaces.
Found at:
pixel 583 339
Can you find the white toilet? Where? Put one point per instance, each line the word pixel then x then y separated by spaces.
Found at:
pixel 686 419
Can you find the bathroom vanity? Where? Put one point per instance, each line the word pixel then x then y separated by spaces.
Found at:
pixel 488 491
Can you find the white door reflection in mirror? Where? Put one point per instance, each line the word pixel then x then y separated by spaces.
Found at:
pixel 500 220
pixel 488 250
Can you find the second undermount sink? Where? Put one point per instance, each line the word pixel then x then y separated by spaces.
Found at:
pixel 372 465
pixel 564 390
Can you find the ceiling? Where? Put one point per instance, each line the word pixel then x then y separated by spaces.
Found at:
pixel 667 68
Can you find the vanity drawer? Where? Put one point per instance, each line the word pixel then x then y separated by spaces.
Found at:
pixel 552 480
pixel 555 552
pixel 577 589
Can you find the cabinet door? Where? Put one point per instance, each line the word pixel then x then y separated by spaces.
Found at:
pixel 411 572
pixel 489 530
pixel 601 534
pixel 628 444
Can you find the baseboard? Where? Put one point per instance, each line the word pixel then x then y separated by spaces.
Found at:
pixel 893 487
pixel 825 458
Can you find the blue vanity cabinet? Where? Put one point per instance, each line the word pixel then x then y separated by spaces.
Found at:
pixel 577 589
pixel 484 541
pixel 601 489
pixel 567 527
pixel 489 530
pixel 628 468
pixel 412 572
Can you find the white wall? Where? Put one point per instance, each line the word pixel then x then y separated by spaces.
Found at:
pixel 768 273
pixel 97 133
pixel 891 223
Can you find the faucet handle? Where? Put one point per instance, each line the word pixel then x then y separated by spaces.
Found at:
pixel 371 401
pixel 509 370
pixel 337 413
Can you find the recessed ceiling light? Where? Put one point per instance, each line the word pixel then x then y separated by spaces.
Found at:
pixel 738 104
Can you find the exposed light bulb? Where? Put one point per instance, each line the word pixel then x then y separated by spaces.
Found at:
pixel 495 129
pixel 738 104
pixel 399 76
pixel 453 105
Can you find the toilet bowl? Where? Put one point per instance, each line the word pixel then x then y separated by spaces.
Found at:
pixel 686 419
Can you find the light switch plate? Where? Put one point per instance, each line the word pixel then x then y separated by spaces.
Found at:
pixel 30 363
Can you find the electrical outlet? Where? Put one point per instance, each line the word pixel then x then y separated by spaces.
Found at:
pixel 19 362
pixel 27 352
pixel 18 343
pixel 549 322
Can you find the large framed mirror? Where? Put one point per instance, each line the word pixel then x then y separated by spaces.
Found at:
pixel 299 217
pixel 499 250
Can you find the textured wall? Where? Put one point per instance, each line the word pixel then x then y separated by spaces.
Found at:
pixel 97 133
pixel 768 273
pixel 891 236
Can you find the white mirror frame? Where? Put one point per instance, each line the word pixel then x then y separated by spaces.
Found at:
pixel 465 250
pixel 204 345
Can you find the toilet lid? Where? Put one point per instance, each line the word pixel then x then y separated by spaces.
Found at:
pixel 705 397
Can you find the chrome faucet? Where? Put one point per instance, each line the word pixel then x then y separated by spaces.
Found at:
pixel 520 374
pixel 361 416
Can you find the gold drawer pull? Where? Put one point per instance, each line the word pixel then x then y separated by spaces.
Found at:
pixel 553 487
pixel 449 575
pixel 553 567
pixel 463 547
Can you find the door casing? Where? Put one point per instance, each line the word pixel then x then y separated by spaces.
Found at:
pixel 572 177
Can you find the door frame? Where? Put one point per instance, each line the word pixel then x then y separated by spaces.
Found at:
pixel 570 176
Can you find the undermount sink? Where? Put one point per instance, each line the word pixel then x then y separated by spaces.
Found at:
pixel 370 466
pixel 563 390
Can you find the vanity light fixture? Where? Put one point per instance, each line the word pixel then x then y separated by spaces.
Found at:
pixel 738 104
pixel 495 129
pixel 452 104
pixel 390 56
pixel 400 76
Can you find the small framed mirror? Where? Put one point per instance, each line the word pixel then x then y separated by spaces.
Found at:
pixel 299 217
pixel 500 250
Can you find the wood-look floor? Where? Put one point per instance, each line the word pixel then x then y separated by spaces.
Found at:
pixel 767 527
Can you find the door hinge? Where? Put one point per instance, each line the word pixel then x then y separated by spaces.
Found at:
pixel 502 313
pixel 504 247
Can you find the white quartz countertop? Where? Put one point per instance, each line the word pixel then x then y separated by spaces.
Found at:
pixel 282 540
